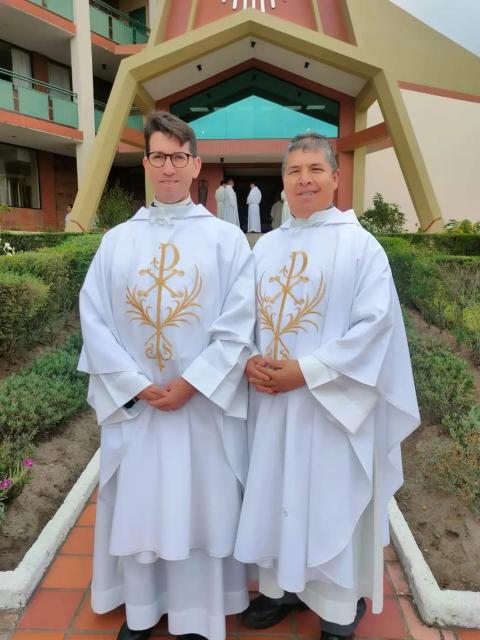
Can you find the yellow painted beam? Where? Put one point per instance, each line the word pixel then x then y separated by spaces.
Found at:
pixel 159 28
pixel 359 159
pixel 143 100
pixel 408 153
pixel 366 97
pixel 104 149
pixel 316 15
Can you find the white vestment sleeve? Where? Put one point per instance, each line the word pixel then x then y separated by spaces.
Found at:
pixel 109 392
pixel 218 371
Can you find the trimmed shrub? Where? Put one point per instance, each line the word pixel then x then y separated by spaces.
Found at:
pixel 462 244
pixel 23 303
pixel 30 241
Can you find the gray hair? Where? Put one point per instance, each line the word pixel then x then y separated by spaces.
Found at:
pixel 310 142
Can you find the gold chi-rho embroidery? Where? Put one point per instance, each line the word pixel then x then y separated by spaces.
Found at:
pixel 272 308
pixel 162 270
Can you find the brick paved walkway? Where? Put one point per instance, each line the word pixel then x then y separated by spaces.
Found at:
pixel 60 607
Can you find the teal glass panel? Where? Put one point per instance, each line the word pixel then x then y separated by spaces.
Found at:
pixel 39 2
pixel 64 112
pixel 6 95
pixel 135 121
pixel 139 36
pixel 33 103
pixel 99 22
pixel 61 7
pixel 121 32
pixel 256 118
pixel 98 119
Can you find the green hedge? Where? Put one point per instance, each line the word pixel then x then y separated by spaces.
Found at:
pixel 61 269
pixel 33 403
pixel 464 244
pixel 32 241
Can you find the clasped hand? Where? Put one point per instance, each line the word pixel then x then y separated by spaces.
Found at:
pixel 172 396
pixel 274 376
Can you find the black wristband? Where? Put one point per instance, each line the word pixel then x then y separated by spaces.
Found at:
pixel 130 403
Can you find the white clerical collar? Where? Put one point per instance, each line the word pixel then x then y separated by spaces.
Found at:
pixel 160 211
pixel 313 220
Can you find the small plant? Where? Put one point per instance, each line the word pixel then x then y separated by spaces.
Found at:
pixel 462 226
pixel 116 206
pixel 384 217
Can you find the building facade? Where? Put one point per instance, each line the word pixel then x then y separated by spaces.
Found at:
pixel 247 75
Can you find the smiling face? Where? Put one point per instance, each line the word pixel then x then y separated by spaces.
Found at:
pixel 309 182
pixel 170 183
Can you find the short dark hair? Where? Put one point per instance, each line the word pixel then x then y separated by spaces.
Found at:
pixel 311 141
pixel 172 127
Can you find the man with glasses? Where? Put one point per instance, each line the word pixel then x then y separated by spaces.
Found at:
pixel 167 314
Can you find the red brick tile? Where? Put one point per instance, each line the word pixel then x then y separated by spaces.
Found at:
pixel 308 624
pixel 397 576
pixel 94 496
pixel 388 624
pixel 417 629
pixel 88 621
pixel 389 553
pixel 50 610
pixel 468 634
pixel 232 624
pixel 37 635
pixel 80 541
pixel 387 586
pixel 87 519
pixel 69 572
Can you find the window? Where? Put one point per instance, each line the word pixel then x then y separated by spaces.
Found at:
pixel 17 61
pixel 19 177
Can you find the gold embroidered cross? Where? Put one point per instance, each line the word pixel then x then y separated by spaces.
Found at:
pixel 278 323
pixel 157 346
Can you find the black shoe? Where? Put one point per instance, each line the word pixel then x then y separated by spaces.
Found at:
pixel 263 612
pixel 331 636
pixel 132 634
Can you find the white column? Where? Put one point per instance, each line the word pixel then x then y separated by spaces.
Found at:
pixel 82 80
pixel 152 12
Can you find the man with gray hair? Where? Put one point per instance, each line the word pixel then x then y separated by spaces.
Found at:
pixel 332 397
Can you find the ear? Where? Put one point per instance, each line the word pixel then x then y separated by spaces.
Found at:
pixel 197 164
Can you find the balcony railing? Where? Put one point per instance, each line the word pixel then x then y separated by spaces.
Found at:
pixel 62 8
pixel 38 99
pixel 134 121
pixel 115 25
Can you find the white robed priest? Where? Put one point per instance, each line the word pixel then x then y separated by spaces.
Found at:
pixel 253 201
pixel 285 207
pixel 220 200
pixel 230 211
pixel 167 314
pixel 332 398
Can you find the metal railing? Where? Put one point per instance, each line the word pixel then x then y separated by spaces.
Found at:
pixel 62 8
pixel 134 121
pixel 32 97
pixel 115 25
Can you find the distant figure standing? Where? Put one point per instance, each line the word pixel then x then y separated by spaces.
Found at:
pixel 276 213
pixel 253 201
pixel 220 199
pixel 68 215
pixel 285 208
pixel 230 212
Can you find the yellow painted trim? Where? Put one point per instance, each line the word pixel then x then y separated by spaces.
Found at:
pixel 143 100
pixel 159 28
pixel 366 97
pixel 359 161
pixel 408 152
pixel 193 15
pixel 316 14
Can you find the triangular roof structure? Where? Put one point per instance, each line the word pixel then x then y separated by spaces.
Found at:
pixel 384 46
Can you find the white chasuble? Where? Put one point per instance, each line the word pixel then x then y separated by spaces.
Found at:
pixel 253 201
pixel 170 293
pixel 230 210
pixel 220 200
pixel 325 458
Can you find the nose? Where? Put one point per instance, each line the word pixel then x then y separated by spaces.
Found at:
pixel 305 176
pixel 168 167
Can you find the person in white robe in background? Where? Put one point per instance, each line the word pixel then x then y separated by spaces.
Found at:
pixel 276 213
pixel 220 200
pixel 285 207
pixel 167 312
pixel 332 397
pixel 231 205
pixel 253 201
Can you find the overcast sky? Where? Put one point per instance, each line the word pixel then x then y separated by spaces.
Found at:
pixel 459 20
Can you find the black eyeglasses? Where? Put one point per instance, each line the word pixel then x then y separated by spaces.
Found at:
pixel 179 159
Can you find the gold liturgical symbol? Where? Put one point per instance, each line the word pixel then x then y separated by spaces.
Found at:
pixel 157 346
pixel 280 324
